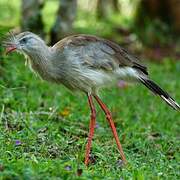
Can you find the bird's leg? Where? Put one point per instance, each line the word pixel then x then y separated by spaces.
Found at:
pixel 113 128
pixel 91 128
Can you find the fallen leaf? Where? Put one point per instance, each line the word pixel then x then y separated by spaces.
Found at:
pixel 1 168
pixel 79 172
pixel 65 112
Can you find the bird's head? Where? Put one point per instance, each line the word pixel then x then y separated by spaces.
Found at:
pixel 25 42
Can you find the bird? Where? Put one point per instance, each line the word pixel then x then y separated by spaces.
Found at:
pixel 85 63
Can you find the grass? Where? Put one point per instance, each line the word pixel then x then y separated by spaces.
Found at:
pixel 44 126
pixel 44 129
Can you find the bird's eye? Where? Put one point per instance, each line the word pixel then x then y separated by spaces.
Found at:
pixel 24 40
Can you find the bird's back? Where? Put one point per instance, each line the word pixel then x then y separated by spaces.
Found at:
pixel 90 62
pixel 101 53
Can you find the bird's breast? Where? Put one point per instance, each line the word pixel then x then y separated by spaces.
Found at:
pixel 43 68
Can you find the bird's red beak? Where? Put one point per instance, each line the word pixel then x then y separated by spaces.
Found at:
pixel 10 49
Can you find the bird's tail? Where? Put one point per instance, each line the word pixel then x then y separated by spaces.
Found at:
pixel 160 92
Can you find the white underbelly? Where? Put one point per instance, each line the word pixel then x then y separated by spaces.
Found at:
pixel 96 79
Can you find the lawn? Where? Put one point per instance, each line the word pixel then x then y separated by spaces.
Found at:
pixel 44 127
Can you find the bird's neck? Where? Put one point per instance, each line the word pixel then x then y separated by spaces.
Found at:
pixel 40 61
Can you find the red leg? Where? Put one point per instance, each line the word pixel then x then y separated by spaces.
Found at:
pixel 113 128
pixel 91 128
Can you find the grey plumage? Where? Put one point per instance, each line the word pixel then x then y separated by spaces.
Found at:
pixel 84 62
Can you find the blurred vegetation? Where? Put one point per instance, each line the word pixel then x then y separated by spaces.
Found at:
pixel 157 22
pixel 147 26
pixel 43 127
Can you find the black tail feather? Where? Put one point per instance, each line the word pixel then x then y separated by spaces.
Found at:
pixel 158 91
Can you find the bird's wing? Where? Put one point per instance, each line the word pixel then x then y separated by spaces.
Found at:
pixel 100 53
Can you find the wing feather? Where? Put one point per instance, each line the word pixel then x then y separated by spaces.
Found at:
pixel 100 53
